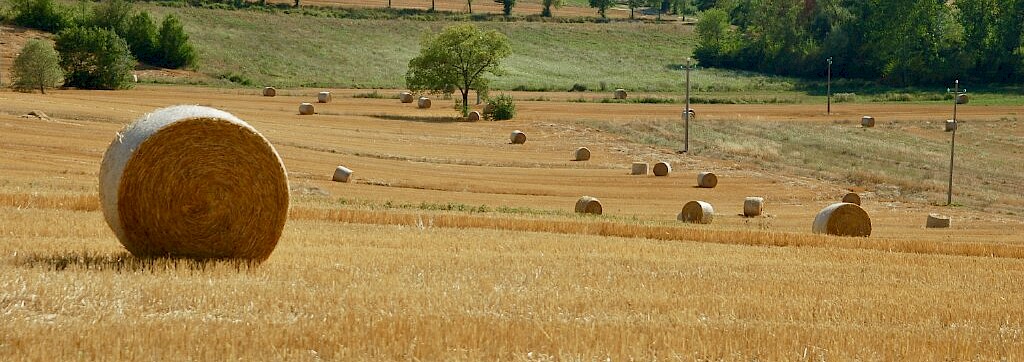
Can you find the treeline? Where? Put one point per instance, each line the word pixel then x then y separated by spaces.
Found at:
pixel 896 42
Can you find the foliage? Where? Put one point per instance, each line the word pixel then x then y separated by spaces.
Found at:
pixel 507 5
pixel 140 33
pixel 37 67
pixel 601 6
pixel 113 15
pixel 633 4
pixel 173 46
pixel 46 15
pixel 459 57
pixel 94 58
pixel 501 108
pixel 547 5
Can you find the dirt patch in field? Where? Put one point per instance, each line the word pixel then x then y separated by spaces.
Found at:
pixel 12 39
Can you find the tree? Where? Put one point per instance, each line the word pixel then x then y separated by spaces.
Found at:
pixel 94 58
pixel 172 43
pixel 459 57
pixel 633 4
pixel 470 3
pixel 45 15
pixel 113 15
pixel 141 37
pixel 548 4
pixel 37 67
pixel 507 6
pixel 601 6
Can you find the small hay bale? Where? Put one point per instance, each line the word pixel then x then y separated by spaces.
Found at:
pixel 662 169
pixel 950 125
pixel 753 206
pixel 269 92
pixel 194 182
pixel 852 198
pixel 405 97
pixel 697 212
pixel 517 137
pixel 620 93
pixel 842 219
pixel 588 205
pixel 423 103
pixel 474 116
pixel 936 221
pixel 639 168
pixel 581 154
pixel 693 114
pixel 962 99
pixel 306 108
pixel 707 180
pixel 341 174
pixel 867 121
pixel 135 78
pixel 323 97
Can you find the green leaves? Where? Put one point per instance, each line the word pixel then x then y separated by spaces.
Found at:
pixel 37 67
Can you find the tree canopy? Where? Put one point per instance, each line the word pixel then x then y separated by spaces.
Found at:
pixel 37 67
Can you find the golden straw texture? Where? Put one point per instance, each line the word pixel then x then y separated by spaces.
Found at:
pixel 936 221
pixel 620 93
pixel 638 168
pixel 424 103
pixel 517 137
pixel 581 154
pixel 474 116
pixel 698 212
pixel 852 198
pixel 662 169
pixel 842 219
pixel 753 206
pixel 867 121
pixel 323 97
pixel 306 109
pixel 269 92
pixel 588 205
pixel 341 174
pixel 405 97
pixel 707 180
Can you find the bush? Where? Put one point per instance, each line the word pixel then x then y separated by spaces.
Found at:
pixel 94 58
pixel 501 108
pixel 173 46
pixel 140 34
pixel 44 15
pixel 37 67
pixel 844 97
pixel 113 15
pixel 579 87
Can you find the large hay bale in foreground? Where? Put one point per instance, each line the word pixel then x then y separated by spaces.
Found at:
pixel 842 219
pixel 423 103
pixel 852 198
pixel 707 180
pixel 638 168
pixel 306 108
pixel 341 174
pixel 405 97
pixel 517 137
pixel 581 154
pixel 962 99
pixel 269 92
pixel 323 97
pixel 474 116
pixel 936 221
pixel 588 205
pixel 196 182
pixel 620 93
pixel 662 169
pixel 950 125
pixel 753 206
pixel 867 121
pixel 697 212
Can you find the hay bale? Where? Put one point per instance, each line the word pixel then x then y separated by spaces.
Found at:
pixel 951 125
pixel 697 212
pixel 639 168
pixel 620 93
pixel 423 103
pixel 269 92
pixel 753 206
pixel 135 78
pixel 842 219
pixel 962 99
pixel 662 169
pixel 195 182
pixel 341 174
pixel 517 137
pixel 323 97
pixel 693 114
pixel 581 154
pixel 852 198
pixel 867 121
pixel 474 116
pixel 588 205
pixel 707 180
pixel 306 108
pixel 405 97
pixel 936 221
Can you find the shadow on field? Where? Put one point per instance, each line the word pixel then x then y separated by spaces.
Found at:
pixel 423 119
pixel 123 261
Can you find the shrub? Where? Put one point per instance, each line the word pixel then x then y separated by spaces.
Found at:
pixel 37 67
pixel 579 87
pixel 44 15
pixel 113 15
pixel 140 34
pixel 501 108
pixel 94 58
pixel 173 46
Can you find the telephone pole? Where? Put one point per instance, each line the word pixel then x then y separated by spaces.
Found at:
pixel 952 140
pixel 828 86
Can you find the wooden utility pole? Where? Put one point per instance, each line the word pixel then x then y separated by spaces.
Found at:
pixel 952 140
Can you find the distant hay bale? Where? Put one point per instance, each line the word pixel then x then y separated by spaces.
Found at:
pixel 697 212
pixel 962 99
pixel 37 114
pixel 867 121
pixel 639 168
pixel 842 219
pixel 306 108
pixel 405 97
pixel 269 92
pixel 950 125
pixel 517 137
pixel 693 114
pixel 936 221
pixel 662 169
pixel 852 198
pixel 135 78
pixel 620 93
pixel 582 154
pixel 195 182
pixel 323 97
pixel 707 180
pixel 474 116
pixel 423 103
pixel 341 174
pixel 588 205
pixel 753 206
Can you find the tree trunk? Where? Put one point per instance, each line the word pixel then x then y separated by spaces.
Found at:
pixel 465 102
pixel 432 6
pixel 470 2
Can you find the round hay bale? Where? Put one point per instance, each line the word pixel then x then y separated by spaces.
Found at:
pixel 323 97
pixel 269 92
pixel 405 97
pixel 707 180
pixel 306 108
pixel 962 99
pixel 474 116
pixel 620 93
pixel 697 212
pixel 693 114
pixel 582 154
pixel 588 205
pixel 852 198
pixel 936 221
pixel 867 121
pixel 662 169
pixel 135 78
pixel 423 103
pixel 753 206
pixel 639 168
pixel 195 182
pixel 517 137
pixel 341 174
pixel 950 125
pixel 842 219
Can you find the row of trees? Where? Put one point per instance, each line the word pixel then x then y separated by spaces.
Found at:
pixel 897 42
pixel 662 6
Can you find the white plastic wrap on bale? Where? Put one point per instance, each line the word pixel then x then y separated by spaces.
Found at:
pixel 423 103
pixel 306 109
pixel 950 125
pixel 698 212
pixel 867 121
pixel 707 180
pixel 517 137
pixel 842 219
pixel 474 116
pixel 323 97
pixel 341 174
pixel 620 93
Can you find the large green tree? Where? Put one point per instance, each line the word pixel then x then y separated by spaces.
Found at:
pixel 173 45
pixel 601 6
pixel 547 5
pixel 94 58
pixel 507 5
pixel 37 67
pixel 460 57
